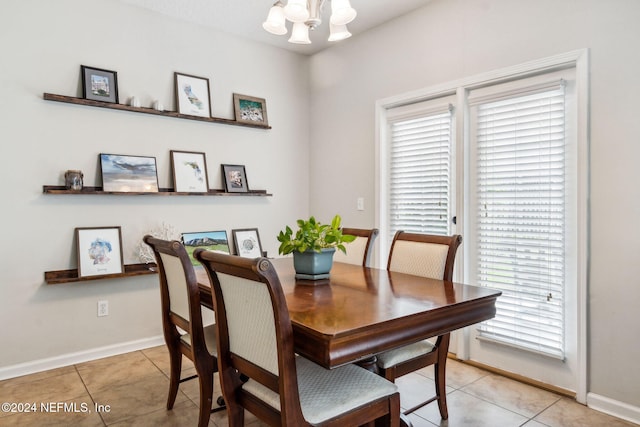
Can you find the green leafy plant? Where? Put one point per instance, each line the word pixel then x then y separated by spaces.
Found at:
pixel 312 235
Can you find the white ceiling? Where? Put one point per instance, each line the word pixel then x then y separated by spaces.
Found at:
pixel 244 18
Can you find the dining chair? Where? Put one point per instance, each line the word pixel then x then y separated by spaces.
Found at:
pixel 359 251
pixel 433 257
pixel 184 332
pixel 255 340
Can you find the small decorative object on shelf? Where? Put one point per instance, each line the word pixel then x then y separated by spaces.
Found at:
pixel 157 105
pixel 73 180
pixel 134 102
pixel 165 232
pixel 313 246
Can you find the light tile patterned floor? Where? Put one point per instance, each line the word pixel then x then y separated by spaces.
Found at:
pixel 133 389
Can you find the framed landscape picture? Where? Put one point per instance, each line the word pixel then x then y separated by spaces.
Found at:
pixel 249 109
pixel 99 84
pixel 189 171
pixel 99 251
pixel 192 95
pixel 235 179
pixel 128 173
pixel 247 242
pixel 211 240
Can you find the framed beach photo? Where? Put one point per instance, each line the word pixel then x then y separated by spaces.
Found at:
pixel 99 251
pixel 249 109
pixel 99 84
pixel 192 95
pixel 189 171
pixel 216 241
pixel 235 179
pixel 128 174
pixel 247 242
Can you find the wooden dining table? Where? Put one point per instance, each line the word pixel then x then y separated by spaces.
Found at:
pixel 359 312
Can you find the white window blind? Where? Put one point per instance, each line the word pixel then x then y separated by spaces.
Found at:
pixel 419 173
pixel 521 217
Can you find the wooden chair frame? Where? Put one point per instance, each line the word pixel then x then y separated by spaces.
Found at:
pixel 370 235
pixel 233 367
pixel 205 363
pixel 437 356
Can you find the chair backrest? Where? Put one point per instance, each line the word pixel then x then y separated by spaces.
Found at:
pixel 255 337
pixel 424 255
pixel 359 251
pixel 179 291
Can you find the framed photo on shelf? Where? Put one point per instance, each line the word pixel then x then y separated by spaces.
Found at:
pixel 216 241
pixel 128 173
pixel 247 242
pixel 99 84
pixel 99 251
pixel 189 171
pixel 235 179
pixel 192 95
pixel 249 109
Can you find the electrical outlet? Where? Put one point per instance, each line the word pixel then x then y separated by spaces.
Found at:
pixel 103 308
pixel 360 203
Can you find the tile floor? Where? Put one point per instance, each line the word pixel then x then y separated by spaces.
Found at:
pixel 131 390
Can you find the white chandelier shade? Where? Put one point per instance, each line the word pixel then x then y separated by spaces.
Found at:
pixel 275 23
pixel 338 32
pixel 305 15
pixel 341 12
pixel 300 34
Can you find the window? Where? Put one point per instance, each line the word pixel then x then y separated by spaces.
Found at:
pixel 420 170
pixel 520 199
pixel 520 216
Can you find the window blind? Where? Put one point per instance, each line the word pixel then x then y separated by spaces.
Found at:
pixel 521 217
pixel 419 173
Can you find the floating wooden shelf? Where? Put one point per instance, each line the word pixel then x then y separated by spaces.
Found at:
pixel 68 276
pixel 61 189
pixel 145 110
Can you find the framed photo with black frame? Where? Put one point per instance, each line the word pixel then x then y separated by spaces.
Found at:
pixel 128 174
pixel 99 84
pixel 216 241
pixel 246 242
pixel 192 95
pixel 189 170
pixel 99 251
pixel 235 179
pixel 249 109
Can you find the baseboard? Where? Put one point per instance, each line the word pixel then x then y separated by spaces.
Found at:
pixel 614 407
pixel 78 357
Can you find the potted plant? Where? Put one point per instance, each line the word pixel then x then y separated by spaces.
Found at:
pixel 313 246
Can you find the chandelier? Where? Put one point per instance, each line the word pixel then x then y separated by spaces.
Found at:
pixel 305 15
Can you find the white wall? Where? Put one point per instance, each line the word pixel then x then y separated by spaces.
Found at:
pixel 451 39
pixel 43 44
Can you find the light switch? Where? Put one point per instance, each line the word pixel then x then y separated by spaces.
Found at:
pixel 360 203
